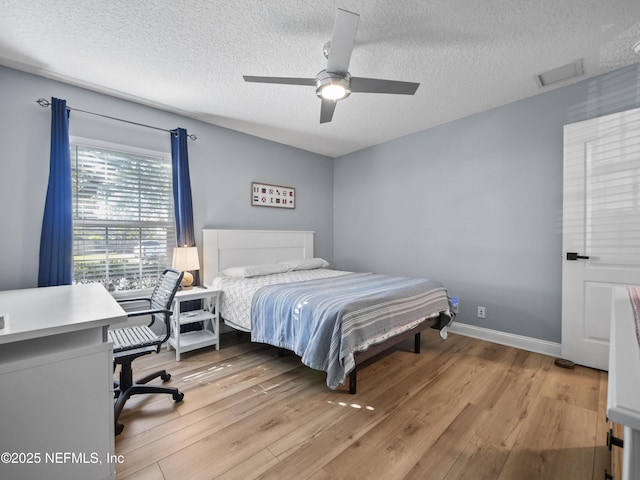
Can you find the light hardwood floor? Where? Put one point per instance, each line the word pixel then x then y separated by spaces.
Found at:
pixel 462 409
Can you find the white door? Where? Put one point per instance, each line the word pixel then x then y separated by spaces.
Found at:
pixel 601 221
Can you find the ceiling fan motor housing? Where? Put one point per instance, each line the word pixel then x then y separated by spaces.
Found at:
pixel 335 82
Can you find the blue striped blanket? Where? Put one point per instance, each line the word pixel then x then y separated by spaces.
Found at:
pixel 326 321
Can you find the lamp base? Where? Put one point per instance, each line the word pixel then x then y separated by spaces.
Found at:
pixel 187 281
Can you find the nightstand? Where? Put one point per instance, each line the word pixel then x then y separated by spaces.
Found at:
pixel 208 315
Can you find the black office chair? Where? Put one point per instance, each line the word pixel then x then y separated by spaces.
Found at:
pixel 133 342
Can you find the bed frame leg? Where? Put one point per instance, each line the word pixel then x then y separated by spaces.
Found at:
pixel 416 343
pixel 352 381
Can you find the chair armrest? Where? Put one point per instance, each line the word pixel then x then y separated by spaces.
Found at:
pixel 139 313
pixel 125 300
pixel 167 315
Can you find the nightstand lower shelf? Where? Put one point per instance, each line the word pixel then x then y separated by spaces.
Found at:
pixel 194 340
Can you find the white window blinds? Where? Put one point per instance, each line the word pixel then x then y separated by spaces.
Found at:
pixel 124 230
pixel 612 198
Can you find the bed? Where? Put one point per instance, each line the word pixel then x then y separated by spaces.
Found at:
pixel 275 288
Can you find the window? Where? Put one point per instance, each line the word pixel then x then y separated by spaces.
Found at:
pixel 123 225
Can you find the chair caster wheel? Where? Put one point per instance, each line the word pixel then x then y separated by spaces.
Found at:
pixel 178 397
pixel 165 377
pixel 118 428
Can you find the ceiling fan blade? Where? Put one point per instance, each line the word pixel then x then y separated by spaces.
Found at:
pixel 375 85
pixel 281 80
pixel 326 110
pixel 344 37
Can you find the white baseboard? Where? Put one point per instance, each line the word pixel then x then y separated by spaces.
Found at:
pixel 509 339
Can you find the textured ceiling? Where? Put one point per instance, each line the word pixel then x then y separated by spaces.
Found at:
pixel 189 57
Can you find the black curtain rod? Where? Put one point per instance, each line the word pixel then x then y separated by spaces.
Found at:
pixel 45 103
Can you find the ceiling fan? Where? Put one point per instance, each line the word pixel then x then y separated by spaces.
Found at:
pixel 334 83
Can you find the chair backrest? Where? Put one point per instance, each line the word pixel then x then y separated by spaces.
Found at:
pixel 165 289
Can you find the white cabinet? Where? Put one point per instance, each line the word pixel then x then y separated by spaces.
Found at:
pixel 57 415
pixel 56 383
pixel 208 315
pixel 623 396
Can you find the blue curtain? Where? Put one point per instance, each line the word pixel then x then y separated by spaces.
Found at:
pixel 56 239
pixel 183 209
pixel 183 205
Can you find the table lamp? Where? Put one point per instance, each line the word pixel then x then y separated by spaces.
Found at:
pixel 185 259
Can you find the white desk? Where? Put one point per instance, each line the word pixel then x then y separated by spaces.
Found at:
pixel 623 395
pixel 56 383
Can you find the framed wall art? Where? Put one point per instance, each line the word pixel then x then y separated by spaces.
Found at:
pixel 264 195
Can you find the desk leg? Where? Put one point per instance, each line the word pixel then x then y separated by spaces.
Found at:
pixel 217 321
pixel 176 329
pixel 630 456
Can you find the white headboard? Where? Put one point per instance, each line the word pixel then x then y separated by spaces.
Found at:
pixel 232 248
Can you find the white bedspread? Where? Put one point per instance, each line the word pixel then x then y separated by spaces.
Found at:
pixel 237 292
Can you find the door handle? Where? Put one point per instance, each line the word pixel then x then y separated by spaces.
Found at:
pixel 575 256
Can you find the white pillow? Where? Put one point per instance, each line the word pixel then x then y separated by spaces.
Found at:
pixel 305 263
pixel 248 271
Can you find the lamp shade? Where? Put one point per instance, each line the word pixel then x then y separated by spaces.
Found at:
pixel 186 258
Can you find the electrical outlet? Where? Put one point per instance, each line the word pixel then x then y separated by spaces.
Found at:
pixel 481 312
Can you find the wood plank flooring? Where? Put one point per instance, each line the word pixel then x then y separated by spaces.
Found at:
pixel 462 409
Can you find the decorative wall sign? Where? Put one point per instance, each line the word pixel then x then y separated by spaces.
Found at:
pixel 263 195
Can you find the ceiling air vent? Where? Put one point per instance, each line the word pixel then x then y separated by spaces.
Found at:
pixel 560 74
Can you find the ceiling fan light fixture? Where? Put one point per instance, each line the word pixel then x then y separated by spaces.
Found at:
pixel 333 91
pixel 333 86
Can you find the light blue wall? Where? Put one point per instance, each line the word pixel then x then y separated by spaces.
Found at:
pixel 223 164
pixel 476 203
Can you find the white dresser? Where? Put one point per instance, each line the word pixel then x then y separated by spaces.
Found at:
pixel 56 383
pixel 623 396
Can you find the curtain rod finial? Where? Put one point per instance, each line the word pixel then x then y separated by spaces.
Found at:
pixel 43 102
pixel 190 136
